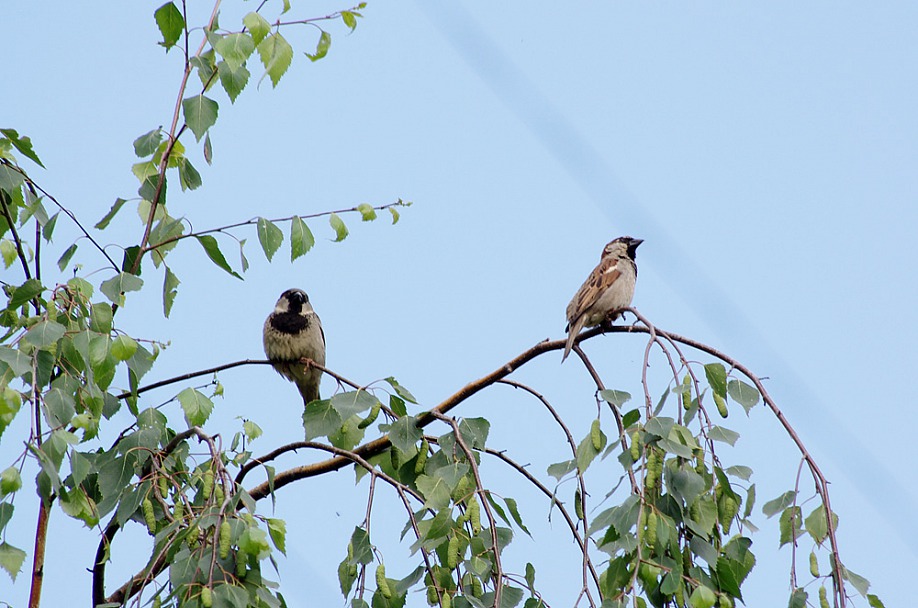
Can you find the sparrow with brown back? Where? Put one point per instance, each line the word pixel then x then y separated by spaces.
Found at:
pixel 608 289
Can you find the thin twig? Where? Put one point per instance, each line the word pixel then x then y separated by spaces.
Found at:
pixel 571 523
pixel 254 220
pixel 485 504
pixel 12 224
pixel 587 563
pixel 615 413
pixel 190 375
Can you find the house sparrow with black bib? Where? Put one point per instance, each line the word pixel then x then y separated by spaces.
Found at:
pixel 608 289
pixel 291 333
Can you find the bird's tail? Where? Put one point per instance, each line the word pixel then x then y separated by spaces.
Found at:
pixel 573 330
pixel 309 394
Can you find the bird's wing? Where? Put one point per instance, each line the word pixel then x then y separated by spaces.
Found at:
pixel 602 277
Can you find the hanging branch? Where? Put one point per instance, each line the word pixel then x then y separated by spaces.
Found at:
pixel 375 447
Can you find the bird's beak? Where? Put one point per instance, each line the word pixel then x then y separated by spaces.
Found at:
pixel 636 242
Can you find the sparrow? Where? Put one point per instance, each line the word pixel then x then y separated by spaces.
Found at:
pixel 291 333
pixel 608 289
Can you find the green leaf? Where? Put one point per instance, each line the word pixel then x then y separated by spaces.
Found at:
pixel 630 417
pixel 235 49
pixel 200 114
pixel 353 402
pixel 276 54
pixel 789 525
pixel 509 597
pixel 77 505
pixel 349 434
pixel 367 213
pixel 61 407
pixel 170 22
pixel 743 472
pixel 212 249
pixel 661 426
pixel 208 149
pixel 101 318
pixel 252 430
pixel 616 398
pixel 684 482
pixel 405 434
pixel 474 432
pixel 170 290
pixel 231 596
pixel 10 179
pixel 702 597
pixel 23 144
pixel 257 25
pixel 106 220
pixel 270 237
pixel 277 528
pixel 11 559
pixel 65 258
pixel 301 239
pixel 744 394
pixel 196 406
pixel 350 19
pixel 400 390
pixel 115 287
pixel 817 526
pixel 397 405
pixel 624 517
pixel 719 433
pixel 750 501
pixel 798 598
pixel 10 481
pixel 123 347
pixel 233 78
pixel 435 491
pixel 320 419
pixel 530 576
pixel 742 561
pixel 359 550
pixel 8 250
pixel 24 293
pixel 18 361
pixel 48 229
pixel 679 442
pixel 146 145
pixel 189 178
pixel 242 259
pixel 515 514
pixel 772 507
pixel 34 209
pixel 148 191
pixel 254 541
pixel 395 215
pixel 143 171
pixel 874 601
pixel 338 225
pixel 6 514
pixel 717 378
pixel 614 579
pixel 559 469
pixel 45 333
pixel 587 452
pixel 321 47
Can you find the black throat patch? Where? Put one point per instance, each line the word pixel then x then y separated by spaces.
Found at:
pixel 289 322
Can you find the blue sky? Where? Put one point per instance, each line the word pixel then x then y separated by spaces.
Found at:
pixel 765 152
